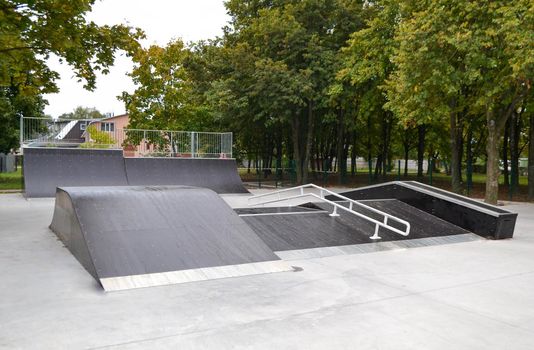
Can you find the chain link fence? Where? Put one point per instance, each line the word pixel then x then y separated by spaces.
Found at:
pixel 85 133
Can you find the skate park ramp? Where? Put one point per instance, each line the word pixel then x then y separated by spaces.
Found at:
pixel 219 175
pixel 486 220
pixel 136 236
pixel 308 231
pixel 48 168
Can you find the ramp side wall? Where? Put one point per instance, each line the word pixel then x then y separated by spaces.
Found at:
pixel 66 226
pixel 145 230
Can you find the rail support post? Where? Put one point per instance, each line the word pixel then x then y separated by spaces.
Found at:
pixel 334 213
pixel 376 236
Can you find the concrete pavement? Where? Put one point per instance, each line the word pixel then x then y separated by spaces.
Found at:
pixel 473 295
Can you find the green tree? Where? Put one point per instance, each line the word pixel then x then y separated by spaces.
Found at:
pixel 164 97
pixel 98 139
pixel 459 59
pixel 32 31
pixel 83 113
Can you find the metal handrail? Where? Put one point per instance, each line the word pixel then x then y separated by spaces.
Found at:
pixel 349 209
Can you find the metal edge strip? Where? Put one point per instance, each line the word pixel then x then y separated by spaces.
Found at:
pixel 323 252
pixel 201 274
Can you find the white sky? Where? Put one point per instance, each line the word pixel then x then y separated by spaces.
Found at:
pixel 162 21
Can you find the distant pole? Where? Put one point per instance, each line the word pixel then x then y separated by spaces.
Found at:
pixel 398 170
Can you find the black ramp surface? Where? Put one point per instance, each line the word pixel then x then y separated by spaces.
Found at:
pixel 219 175
pixel 48 168
pixel 291 232
pixel 145 231
pixel 481 218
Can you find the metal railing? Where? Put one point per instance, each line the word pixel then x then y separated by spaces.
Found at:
pixel 351 205
pixel 94 133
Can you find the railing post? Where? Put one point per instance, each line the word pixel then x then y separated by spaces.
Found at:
pixel 334 213
pixel 376 236
pixel 21 132
pixel 172 146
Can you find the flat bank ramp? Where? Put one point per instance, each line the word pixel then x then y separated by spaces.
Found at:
pixel 219 175
pixel 48 168
pixel 305 229
pixel 481 218
pixel 131 237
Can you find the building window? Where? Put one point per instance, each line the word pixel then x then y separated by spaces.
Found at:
pixel 107 127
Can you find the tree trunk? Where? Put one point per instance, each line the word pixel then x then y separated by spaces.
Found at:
pixel 515 129
pixel 295 126
pixel 406 148
pixel 505 154
pixel 456 180
pixel 531 159
pixel 353 155
pixel 492 167
pixel 308 145
pixel 406 155
pixel 340 146
pixel 385 146
pixel 421 131
pixel 378 166
pixel 469 156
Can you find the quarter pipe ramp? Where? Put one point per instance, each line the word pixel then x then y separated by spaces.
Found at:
pixel 219 175
pixel 48 168
pixel 131 237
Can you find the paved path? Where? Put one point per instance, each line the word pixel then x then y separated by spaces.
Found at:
pixel 476 295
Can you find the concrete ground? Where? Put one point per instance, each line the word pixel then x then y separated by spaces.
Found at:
pixel 475 295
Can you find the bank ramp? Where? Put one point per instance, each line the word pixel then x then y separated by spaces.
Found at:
pixel 131 237
pixel 485 220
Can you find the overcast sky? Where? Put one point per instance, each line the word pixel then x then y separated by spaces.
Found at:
pixel 162 21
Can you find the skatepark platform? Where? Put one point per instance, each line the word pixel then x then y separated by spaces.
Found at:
pixel 310 228
pixel 134 236
pixel 45 169
pixel 486 220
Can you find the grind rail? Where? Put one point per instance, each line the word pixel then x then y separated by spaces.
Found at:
pixel 280 196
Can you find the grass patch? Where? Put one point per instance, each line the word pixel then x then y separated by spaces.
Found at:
pixel 11 181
